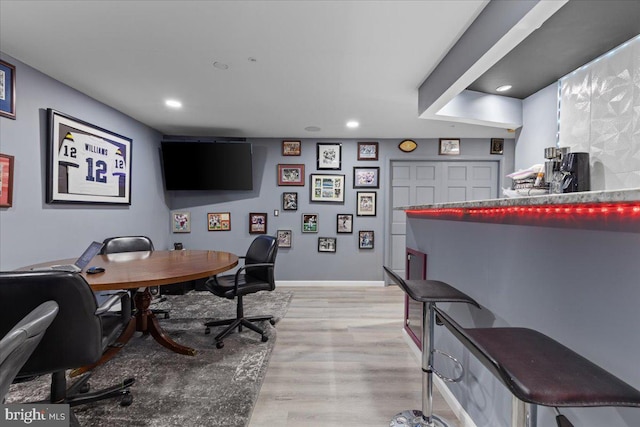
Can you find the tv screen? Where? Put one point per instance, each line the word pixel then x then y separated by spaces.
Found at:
pixel 207 165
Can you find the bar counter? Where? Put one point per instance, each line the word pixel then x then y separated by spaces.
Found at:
pixel 616 210
pixel 565 265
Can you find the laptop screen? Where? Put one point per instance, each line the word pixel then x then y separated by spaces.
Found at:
pixel 87 256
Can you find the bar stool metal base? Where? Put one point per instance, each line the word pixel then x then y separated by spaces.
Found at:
pixel 413 418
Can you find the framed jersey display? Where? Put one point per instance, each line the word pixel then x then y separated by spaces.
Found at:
pixel 87 164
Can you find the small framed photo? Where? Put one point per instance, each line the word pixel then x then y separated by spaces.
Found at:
pixel 366 203
pixel 258 223
pixel 329 155
pixel 310 223
pixel 219 221
pixel 291 174
pixel 284 238
pixel 367 151
pixel 497 145
pixel 181 222
pixel 6 181
pixel 327 244
pixel 366 177
pixel 291 148
pixel 7 90
pixel 327 188
pixel 344 223
pixel 289 201
pixel 450 146
pixel 365 239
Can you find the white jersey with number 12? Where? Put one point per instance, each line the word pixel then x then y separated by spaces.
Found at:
pixel 94 166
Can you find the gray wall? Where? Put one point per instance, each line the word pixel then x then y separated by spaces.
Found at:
pixel 303 262
pixel 539 127
pixel 578 286
pixel 32 231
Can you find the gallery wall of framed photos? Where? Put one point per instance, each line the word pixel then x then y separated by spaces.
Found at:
pixel 334 175
pixel 324 199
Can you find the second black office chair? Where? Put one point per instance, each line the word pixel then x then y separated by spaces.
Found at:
pixel 132 244
pixel 257 274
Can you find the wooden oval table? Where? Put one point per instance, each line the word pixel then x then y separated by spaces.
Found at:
pixel 141 270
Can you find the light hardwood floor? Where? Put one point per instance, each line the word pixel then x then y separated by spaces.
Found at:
pixel 340 359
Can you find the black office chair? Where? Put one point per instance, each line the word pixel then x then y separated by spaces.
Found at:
pixel 77 337
pixel 18 344
pixel 257 274
pixel 133 244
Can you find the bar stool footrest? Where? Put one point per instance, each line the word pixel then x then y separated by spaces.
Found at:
pixel 455 361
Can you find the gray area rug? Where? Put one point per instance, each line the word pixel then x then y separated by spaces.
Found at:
pixel 216 387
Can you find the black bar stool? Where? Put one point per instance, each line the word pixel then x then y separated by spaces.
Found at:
pixel 428 292
pixel 538 370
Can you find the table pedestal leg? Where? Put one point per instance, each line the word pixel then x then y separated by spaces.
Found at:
pixel 111 351
pixel 147 323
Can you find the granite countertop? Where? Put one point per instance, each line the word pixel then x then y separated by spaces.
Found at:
pixel 608 196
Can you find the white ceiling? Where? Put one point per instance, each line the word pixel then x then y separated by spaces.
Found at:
pixel 317 63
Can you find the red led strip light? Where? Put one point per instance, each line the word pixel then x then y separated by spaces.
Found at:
pixel 610 216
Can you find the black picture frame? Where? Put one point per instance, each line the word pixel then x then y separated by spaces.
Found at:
pixel 86 163
pixel 366 239
pixel 329 155
pixel 326 188
pixel 497 146
pixel 366 203
pixel 366 177
pixel 327 244
pixel 290 201
pixel 344 223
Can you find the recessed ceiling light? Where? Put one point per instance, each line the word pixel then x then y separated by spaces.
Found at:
pixel 173 103
pixel 312 129
pixel 352 124
pixel 503 88
pixel 220 65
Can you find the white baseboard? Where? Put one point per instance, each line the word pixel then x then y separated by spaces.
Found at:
pixel 464 418
pixel 327 283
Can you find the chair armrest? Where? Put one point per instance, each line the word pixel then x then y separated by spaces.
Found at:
pixel 246 267
pixel 113 299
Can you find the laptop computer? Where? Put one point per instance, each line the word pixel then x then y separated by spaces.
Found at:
pixel 80 264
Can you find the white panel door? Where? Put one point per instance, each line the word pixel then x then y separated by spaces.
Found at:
pixel 427 182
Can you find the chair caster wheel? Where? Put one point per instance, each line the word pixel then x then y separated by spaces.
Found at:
pixel 265 338
pixel 126 400
pixel 207 331
pixel 85 388
pixel 219 344
pixel 272 321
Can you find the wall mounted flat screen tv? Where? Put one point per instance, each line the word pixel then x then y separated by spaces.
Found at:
pixel 207 165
